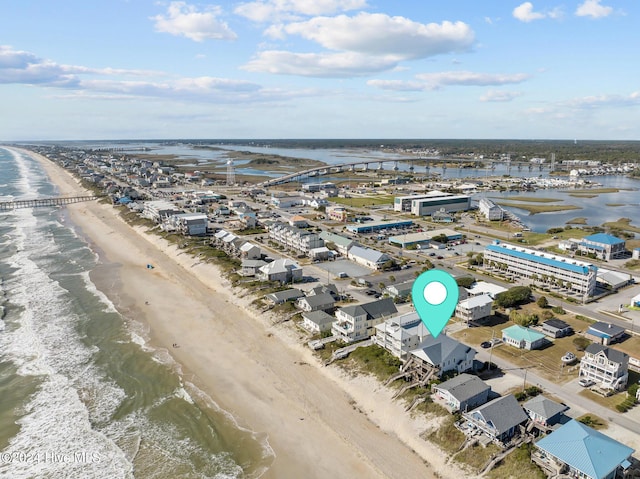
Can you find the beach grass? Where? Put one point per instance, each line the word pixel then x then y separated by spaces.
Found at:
pixel 592 421
pixel 578 195
pixel 447 436
pixel 517 464
pixel 581 220
pixel 476 456
pixel 533 209
pixel 373 360
pixel 613 205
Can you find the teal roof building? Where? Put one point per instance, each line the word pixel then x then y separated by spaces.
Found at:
pixel 523 338
pixel 580 451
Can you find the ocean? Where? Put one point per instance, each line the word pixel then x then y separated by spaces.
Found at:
pixel 82 392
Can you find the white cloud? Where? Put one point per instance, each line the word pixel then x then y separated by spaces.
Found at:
pixel 323 65
pixel 525 13
pixel 380 34
pixel 287 10
pixel 593 9
pixel 435 81
pixel 500 96
pixel 441 79
pixel 186 20
pixel 598 101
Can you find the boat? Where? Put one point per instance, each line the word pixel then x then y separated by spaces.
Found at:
pixel 568 358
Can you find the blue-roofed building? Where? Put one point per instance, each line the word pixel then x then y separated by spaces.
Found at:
pixel 523 338
pixel 577 450
pixel 373 226
pixel 603 245
pixel 578 276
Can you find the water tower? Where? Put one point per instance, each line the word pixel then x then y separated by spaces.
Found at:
pixel 231 173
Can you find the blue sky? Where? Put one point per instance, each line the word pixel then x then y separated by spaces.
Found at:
pixel 136 69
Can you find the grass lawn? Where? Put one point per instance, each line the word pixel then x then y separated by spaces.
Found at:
pixel 533 209
pixel 544 362
pixel 361 201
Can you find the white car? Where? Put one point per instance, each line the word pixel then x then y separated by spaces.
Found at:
pixel 585 383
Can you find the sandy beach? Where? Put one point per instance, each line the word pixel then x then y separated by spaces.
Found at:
pixel 318 421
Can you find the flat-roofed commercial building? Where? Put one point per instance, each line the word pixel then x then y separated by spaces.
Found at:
pixel 450 203
pixel 578 276
pixel 402 204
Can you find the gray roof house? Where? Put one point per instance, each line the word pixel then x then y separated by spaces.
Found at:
pixel 283 270
pixel 443 354
pixel 463 392
pixel 604 333
pixel 608 367
pixel 556 328
pixel 316 302
pixel 401 290
pixel 357 322
pixel 544 411
pixel 317 321
pixel 342 243
pixel 280 297
pixel 368 257
pixel 498 419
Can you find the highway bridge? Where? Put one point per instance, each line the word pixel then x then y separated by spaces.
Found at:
pixel 430 162
pixel 46 202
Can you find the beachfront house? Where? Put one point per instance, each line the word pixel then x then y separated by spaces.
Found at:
pixel 357 322
pixel 280 297
pixel 523 338
pixel 543 411
pixel 607 367
pixel 316 302
pixel 576 450
pixel 462 392
pixel 283 270
pixel 250 267
pixel 499 419
pixel 400 334
pixel 439 355
pixel 317 322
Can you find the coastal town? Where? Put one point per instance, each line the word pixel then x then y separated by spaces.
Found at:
pixel 538 369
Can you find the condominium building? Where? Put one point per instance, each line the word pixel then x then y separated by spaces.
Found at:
pixel 400 334
pixel 295 238
pixel 490 210
pixel 450 203
pixel 577 276
pixel 603 245
pixel 356 322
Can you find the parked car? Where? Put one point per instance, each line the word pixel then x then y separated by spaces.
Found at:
pixel 585 383
pixel 485 345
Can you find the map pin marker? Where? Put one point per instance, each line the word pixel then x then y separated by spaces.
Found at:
pixel 435 296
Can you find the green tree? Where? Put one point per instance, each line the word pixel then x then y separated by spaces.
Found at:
pixel 543 302
pixel 513 297
pixel 465 281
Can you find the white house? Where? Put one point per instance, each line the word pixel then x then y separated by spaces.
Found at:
pixel 607 367
pixel 400 334
pixel 368 257
pixel 474 308
pixel 283 270
pixel 317 321
pixel 523 338
pixel 356 322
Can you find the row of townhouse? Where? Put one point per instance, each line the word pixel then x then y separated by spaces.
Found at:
pixel 295 238
pixel 578 276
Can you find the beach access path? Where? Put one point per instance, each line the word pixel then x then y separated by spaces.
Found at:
pixel 319 422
